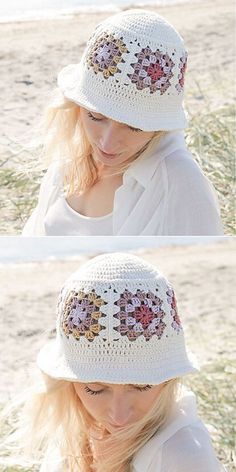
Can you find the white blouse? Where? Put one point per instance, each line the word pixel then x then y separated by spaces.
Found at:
pixel 164 192
pixel 62 220
pixel 183 445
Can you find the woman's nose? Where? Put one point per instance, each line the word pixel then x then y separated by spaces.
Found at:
pixel 120 411
pixel 110 139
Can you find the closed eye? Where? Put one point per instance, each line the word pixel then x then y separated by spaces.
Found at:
pixel 93 117
pixel 140 388
pixel 134 129
pixel 100 119
pixel 92 392
pixel 143 388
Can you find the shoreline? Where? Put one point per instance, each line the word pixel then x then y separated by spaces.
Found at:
pixel 69 13
pixel 57 252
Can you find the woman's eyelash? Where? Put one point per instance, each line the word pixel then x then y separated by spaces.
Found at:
pixel 92 392
pixel 144 388
pixel 99 119
pixel 93 117
pixel 97 392
pixel 134 129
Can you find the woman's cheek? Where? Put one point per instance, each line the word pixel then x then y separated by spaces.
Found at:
pixel 94 406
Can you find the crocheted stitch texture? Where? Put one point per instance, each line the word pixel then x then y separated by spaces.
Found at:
pixel 134 60
pixel 117 322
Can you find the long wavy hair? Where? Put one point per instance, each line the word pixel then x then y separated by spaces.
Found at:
pixel 64 138
pixel 55 415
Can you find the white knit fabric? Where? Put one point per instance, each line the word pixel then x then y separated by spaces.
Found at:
pixel 132 71
pixel 117 323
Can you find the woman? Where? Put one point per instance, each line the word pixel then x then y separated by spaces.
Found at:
pixel 112 398
pixel 115 136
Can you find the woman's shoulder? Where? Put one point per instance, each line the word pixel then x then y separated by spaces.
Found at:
pixel 190 448
pixel 182 164
pixel 182 445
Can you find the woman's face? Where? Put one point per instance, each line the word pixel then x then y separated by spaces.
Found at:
pixel 116 406
pixel 113 143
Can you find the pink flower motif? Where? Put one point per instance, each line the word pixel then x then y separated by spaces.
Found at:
pixel 176 323
pixel 155 71
pixel 149 70
pixel 181 76
pixel 145 318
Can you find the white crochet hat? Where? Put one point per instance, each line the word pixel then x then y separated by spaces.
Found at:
pixel 117 323
pixel 131 71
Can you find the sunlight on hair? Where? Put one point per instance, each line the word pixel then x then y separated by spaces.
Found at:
pixel 65 139
pixel 53 416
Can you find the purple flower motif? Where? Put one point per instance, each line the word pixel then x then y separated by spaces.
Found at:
pixel 78 315
pixel 130 321
pixel 81 315
pixel 129 308
pixel 106 54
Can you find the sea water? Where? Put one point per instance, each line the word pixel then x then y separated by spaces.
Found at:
pixel 23 250
pixel 15 10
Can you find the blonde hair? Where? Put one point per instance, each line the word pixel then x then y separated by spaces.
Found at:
pixel 65 138
pixel 56 415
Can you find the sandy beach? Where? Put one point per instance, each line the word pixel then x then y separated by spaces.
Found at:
pixel 32 53
pixel 203 278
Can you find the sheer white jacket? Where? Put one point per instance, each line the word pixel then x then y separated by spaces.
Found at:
pixel 163 193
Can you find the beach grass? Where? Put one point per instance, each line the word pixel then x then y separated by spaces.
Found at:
pixel 210 138
pixel 215 389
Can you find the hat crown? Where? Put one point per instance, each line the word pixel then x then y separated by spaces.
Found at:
pixel 115 266
pixel 143 24
pixel 118 323
pixel 116 297
pixel 134 60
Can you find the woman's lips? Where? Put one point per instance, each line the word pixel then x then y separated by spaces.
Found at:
pixel 109 156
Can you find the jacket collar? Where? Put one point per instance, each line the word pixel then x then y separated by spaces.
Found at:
pixel 142 171
pixel 184 413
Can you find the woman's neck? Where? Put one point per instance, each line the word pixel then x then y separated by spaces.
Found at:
pixel 105 172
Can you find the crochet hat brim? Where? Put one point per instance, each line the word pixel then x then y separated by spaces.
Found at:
pixel 52 361
pixel 85 93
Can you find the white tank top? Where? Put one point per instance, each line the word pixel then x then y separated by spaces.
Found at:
pixel 62 220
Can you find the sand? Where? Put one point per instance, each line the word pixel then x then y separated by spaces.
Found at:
pixel 32 53
pixel 203 277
